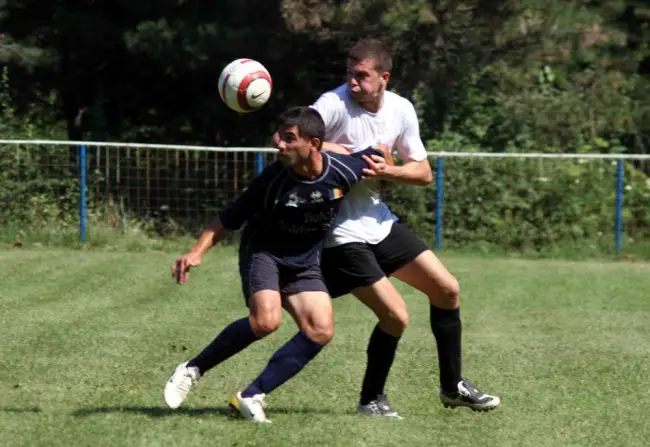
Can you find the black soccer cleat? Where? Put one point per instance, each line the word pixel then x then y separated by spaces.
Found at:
pixel 469 396
pixel 379 407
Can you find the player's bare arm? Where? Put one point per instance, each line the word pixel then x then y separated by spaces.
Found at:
pixel 209 237
pixel 410 173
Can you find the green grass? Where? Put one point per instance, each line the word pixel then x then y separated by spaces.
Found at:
pixel 87 340
pixel 114 232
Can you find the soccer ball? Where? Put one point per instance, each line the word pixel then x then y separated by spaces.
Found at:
pixel 245 85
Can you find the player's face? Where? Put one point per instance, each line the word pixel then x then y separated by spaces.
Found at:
pixel 294 149
pixel 365 83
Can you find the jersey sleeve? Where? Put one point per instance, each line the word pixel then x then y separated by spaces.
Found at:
pixel 329 106
pixel 350 167
pixel 409 143
pixel 249 202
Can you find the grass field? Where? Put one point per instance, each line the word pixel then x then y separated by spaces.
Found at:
pixel 87 340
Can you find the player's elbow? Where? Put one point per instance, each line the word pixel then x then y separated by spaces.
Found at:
pixel 421 174
pixel 425 177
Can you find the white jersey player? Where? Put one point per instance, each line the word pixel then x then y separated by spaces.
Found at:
pixel 367 244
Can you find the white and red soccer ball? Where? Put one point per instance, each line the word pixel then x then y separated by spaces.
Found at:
pixel 245 85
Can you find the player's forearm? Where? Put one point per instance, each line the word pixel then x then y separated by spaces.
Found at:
pixel 418 174
pixel 333 147
pixel 209 237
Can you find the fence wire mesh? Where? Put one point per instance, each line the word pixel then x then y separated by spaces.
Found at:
pixel 509 200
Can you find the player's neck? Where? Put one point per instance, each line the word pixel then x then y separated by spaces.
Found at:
pixel 375 105
pixel 312 167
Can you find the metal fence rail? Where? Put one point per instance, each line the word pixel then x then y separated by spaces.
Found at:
pixel 194 181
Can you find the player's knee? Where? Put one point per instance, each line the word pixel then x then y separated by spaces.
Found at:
pixel 266 323
pixel 453 289
pixel 450 291
pixel 395 321
pixel 322 336
pixel 402 319
pixel 321 332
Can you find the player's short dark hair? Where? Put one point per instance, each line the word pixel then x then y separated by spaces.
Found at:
pixel 308 121
pixel 372 49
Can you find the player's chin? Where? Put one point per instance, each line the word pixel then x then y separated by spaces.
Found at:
pixel 360 97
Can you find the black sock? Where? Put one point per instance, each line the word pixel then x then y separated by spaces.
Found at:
pixel 381 353
pixel 287 361
pixel 234 338
pixel 446 327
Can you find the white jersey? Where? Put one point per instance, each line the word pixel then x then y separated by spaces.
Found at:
pixel 363 217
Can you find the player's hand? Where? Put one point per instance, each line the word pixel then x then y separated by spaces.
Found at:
pixel 388 158
pixel 181 267
pixel 377 166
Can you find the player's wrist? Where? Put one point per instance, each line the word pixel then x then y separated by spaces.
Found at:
pixel 194 254
pixel 200 249
pixel 388 171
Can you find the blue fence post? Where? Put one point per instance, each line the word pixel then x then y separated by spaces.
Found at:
pixel 618 224
pixel 439 195
pixel 260 162
pixel 82 193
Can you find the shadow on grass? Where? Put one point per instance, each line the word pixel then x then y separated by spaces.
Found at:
pixel 163 411
pixel 152 411
pixel 20 410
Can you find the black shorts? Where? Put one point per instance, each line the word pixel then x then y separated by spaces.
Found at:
pixel 260 271
pixel 358 264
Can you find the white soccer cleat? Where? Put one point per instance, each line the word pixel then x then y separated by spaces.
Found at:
pixel 251 408
pixel 180 383
pixel 379 407
pixel 469 396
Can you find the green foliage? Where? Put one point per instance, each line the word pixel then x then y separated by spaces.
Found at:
pixel 525 205
pixel 33 186
pixel 500 76
pixel 34 193
pixel 30 122
pixel 556 74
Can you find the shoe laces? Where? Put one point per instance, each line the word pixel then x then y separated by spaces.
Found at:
pixel 383 402
pixel 186 381
pixel 259 399
pixel 471 389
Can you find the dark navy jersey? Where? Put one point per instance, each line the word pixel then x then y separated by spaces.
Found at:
pixel 287 215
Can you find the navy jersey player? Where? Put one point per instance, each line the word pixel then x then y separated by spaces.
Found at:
pixel 287 210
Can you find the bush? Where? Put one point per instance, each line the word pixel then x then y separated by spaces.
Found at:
pixel 525 204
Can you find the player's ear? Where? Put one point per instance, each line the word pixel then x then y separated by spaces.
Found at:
pixel 385 76
pixel 276 139
pixel 316 143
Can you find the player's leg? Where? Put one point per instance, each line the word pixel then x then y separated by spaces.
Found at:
pixel 405 257
pixel 264 318
pixel 353 268
pixel 259 275
pixel 312 311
